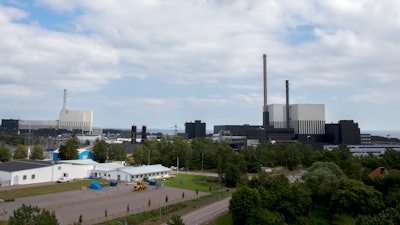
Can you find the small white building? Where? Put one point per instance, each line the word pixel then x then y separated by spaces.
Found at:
pixel 113 171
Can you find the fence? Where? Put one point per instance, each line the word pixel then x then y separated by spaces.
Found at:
pixel 125 212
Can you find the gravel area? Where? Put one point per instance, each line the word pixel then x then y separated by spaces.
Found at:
pixel 92 204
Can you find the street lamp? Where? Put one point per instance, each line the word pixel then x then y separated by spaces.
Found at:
pixel 149 158
pixel 187 159
pixel 202 156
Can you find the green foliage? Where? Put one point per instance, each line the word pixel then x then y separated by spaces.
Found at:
pixel 5 153
pixel 390 216
pixel 33 215
pixel 353 197
pixel 12 139
pixel 176 220
pixel 117 152
pixel 244 205
pixel 250 157
pixel 270 200
pixel 100 151
pixel 391 159
pixel 322 179
pixel 20 152
pixel 70 150
pixel 37 152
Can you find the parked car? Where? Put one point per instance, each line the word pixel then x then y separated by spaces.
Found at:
pixel 63 179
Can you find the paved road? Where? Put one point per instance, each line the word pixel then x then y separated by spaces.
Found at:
pixel 207 213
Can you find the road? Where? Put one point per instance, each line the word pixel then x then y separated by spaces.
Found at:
pixel 207 213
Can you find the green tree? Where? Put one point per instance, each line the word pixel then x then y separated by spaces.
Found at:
pixel 175 220
pixel 33 215
pixel 245 204
pixel 389 216
pixel 5 153
pixel 183 150
pixel 353 197
pixel 322 179
pixel 100 151
pixel 70 151
pixel 37 152
pixel 117 152
pixel 20 152
pixel 392 159
pixel 252 162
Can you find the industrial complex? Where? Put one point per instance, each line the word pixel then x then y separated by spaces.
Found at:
pixel 281 123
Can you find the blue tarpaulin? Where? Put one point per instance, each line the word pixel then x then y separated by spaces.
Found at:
pixel 95 186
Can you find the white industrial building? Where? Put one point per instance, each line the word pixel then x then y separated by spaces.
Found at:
pixel 114 171
pixel 303 118
pixel 365 150
pixel 68 119
pixel 22 172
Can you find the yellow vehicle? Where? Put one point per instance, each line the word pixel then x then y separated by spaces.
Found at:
pixel 139 187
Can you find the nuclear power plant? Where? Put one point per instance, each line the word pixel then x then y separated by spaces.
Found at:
pixel 287 123
pixel 78 121
pixel 282 123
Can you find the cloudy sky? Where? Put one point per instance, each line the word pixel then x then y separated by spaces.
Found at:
pixel 160 63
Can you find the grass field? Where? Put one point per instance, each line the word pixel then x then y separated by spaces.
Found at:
pixel 46 189
pixel 193 182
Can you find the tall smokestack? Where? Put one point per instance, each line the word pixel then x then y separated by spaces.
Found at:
pixel 265 107
pixel 65 100
pixel 287 105
pixel 133 134
pixel 144 132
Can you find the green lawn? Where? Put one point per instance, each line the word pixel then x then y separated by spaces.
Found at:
pixel 193 182
pixel 40 190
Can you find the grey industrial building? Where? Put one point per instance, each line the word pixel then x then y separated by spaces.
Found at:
pixel 287 123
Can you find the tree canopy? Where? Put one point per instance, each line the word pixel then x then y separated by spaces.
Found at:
pixel 5 153
pixel 20 152
pixel 32 215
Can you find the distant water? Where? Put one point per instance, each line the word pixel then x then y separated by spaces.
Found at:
pixel 383 133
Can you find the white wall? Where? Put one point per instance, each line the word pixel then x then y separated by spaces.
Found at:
pixel 76 119
pixel 73 171
pixel 307 112
pixel 5 178
pixel 32 176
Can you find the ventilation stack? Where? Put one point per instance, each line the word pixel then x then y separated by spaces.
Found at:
pixel 65 100
pixel 287 105
pixel 265 107
pixel 134 134
pixel 144 133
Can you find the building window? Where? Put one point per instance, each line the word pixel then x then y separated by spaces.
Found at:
pixel 24 177
pixel 33 176
pixel 59 167
pixel 108 175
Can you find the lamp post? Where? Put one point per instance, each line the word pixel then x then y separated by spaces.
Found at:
pixel 202 157
pixel 187 159
pixel 149 158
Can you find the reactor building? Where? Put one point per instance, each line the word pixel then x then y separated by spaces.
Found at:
pixel 287 123
pixel 79 121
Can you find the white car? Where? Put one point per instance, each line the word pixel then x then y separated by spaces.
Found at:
pixel 63 179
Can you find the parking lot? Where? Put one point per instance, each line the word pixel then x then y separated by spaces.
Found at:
pixel 93 204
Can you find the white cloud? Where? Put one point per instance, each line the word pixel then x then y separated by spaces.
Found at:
pixel 339 49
